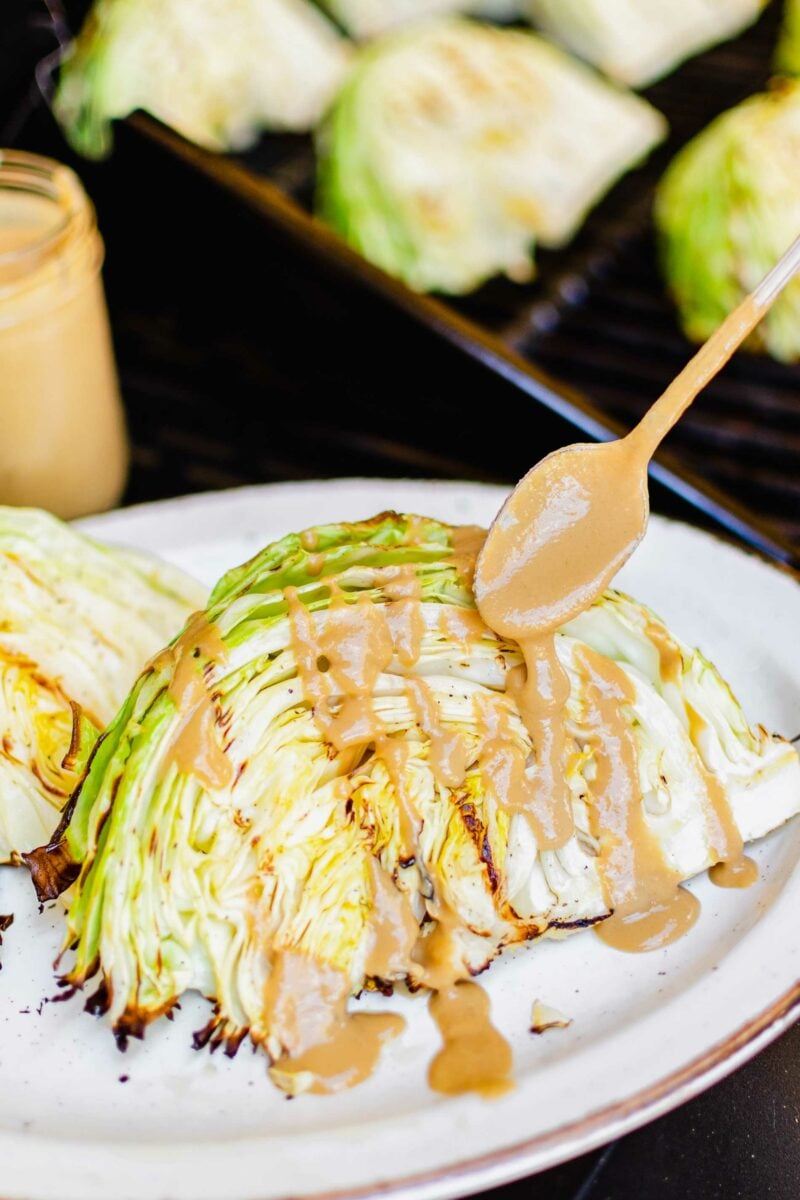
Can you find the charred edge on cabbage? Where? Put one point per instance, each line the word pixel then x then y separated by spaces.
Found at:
pixel 53 868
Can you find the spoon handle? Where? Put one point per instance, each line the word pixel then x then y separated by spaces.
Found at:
pixel 714 354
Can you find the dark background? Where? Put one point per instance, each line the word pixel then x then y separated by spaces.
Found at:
pixel 243 360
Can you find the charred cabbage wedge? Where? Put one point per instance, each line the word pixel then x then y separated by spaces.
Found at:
pixel 274 841
pixel 726 210
pixel 217 71
pixel 77 622
pixel 454 147
pixel 638 41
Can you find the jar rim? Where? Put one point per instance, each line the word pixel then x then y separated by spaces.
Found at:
pixel 38 175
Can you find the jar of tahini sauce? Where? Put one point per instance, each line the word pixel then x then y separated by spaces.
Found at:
pixel 62 433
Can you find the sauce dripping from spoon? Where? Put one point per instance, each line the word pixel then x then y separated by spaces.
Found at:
pixel 568 527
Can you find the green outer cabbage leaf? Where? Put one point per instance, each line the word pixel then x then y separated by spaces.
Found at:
pixel 727 208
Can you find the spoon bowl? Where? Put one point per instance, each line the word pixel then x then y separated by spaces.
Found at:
pixel 561 536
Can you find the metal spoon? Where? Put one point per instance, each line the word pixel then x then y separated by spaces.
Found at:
pixel 578 515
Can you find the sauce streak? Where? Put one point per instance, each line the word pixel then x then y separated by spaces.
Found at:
pixel 467 542
pixel 550 554
pixel 404 614
pixel 340 655
pixel 650 910
pixel 195 747
pixel 504 767
pixel 670 659
pixel 733 868
pixel 435 954
pixel 393 928
pixel 474 1057
pixel 461 624
pixel 448 754
pixel 540 690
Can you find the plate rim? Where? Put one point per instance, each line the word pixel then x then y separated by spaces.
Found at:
pixel 544 1150
pixel 510 1163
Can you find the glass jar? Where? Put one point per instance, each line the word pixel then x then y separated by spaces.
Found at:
pixel 62 433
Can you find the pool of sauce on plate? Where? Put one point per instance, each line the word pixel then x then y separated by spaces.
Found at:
pixel 306 1011
pixel 475 1057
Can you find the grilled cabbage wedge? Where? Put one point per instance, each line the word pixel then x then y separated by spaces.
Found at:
pixel 638 41
pixel 181 885
pixel 217 71
pixel 726 209
pixel 77 622
pixel 368 18
pixel 454 147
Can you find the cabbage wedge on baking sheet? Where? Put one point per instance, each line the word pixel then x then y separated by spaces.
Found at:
pixel 725 210
pixel 638 41
pixel 216 72
pixel 453 148
pixel 78 621
pixel 193 878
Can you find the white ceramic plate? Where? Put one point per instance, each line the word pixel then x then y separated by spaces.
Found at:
pixel 648 1031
